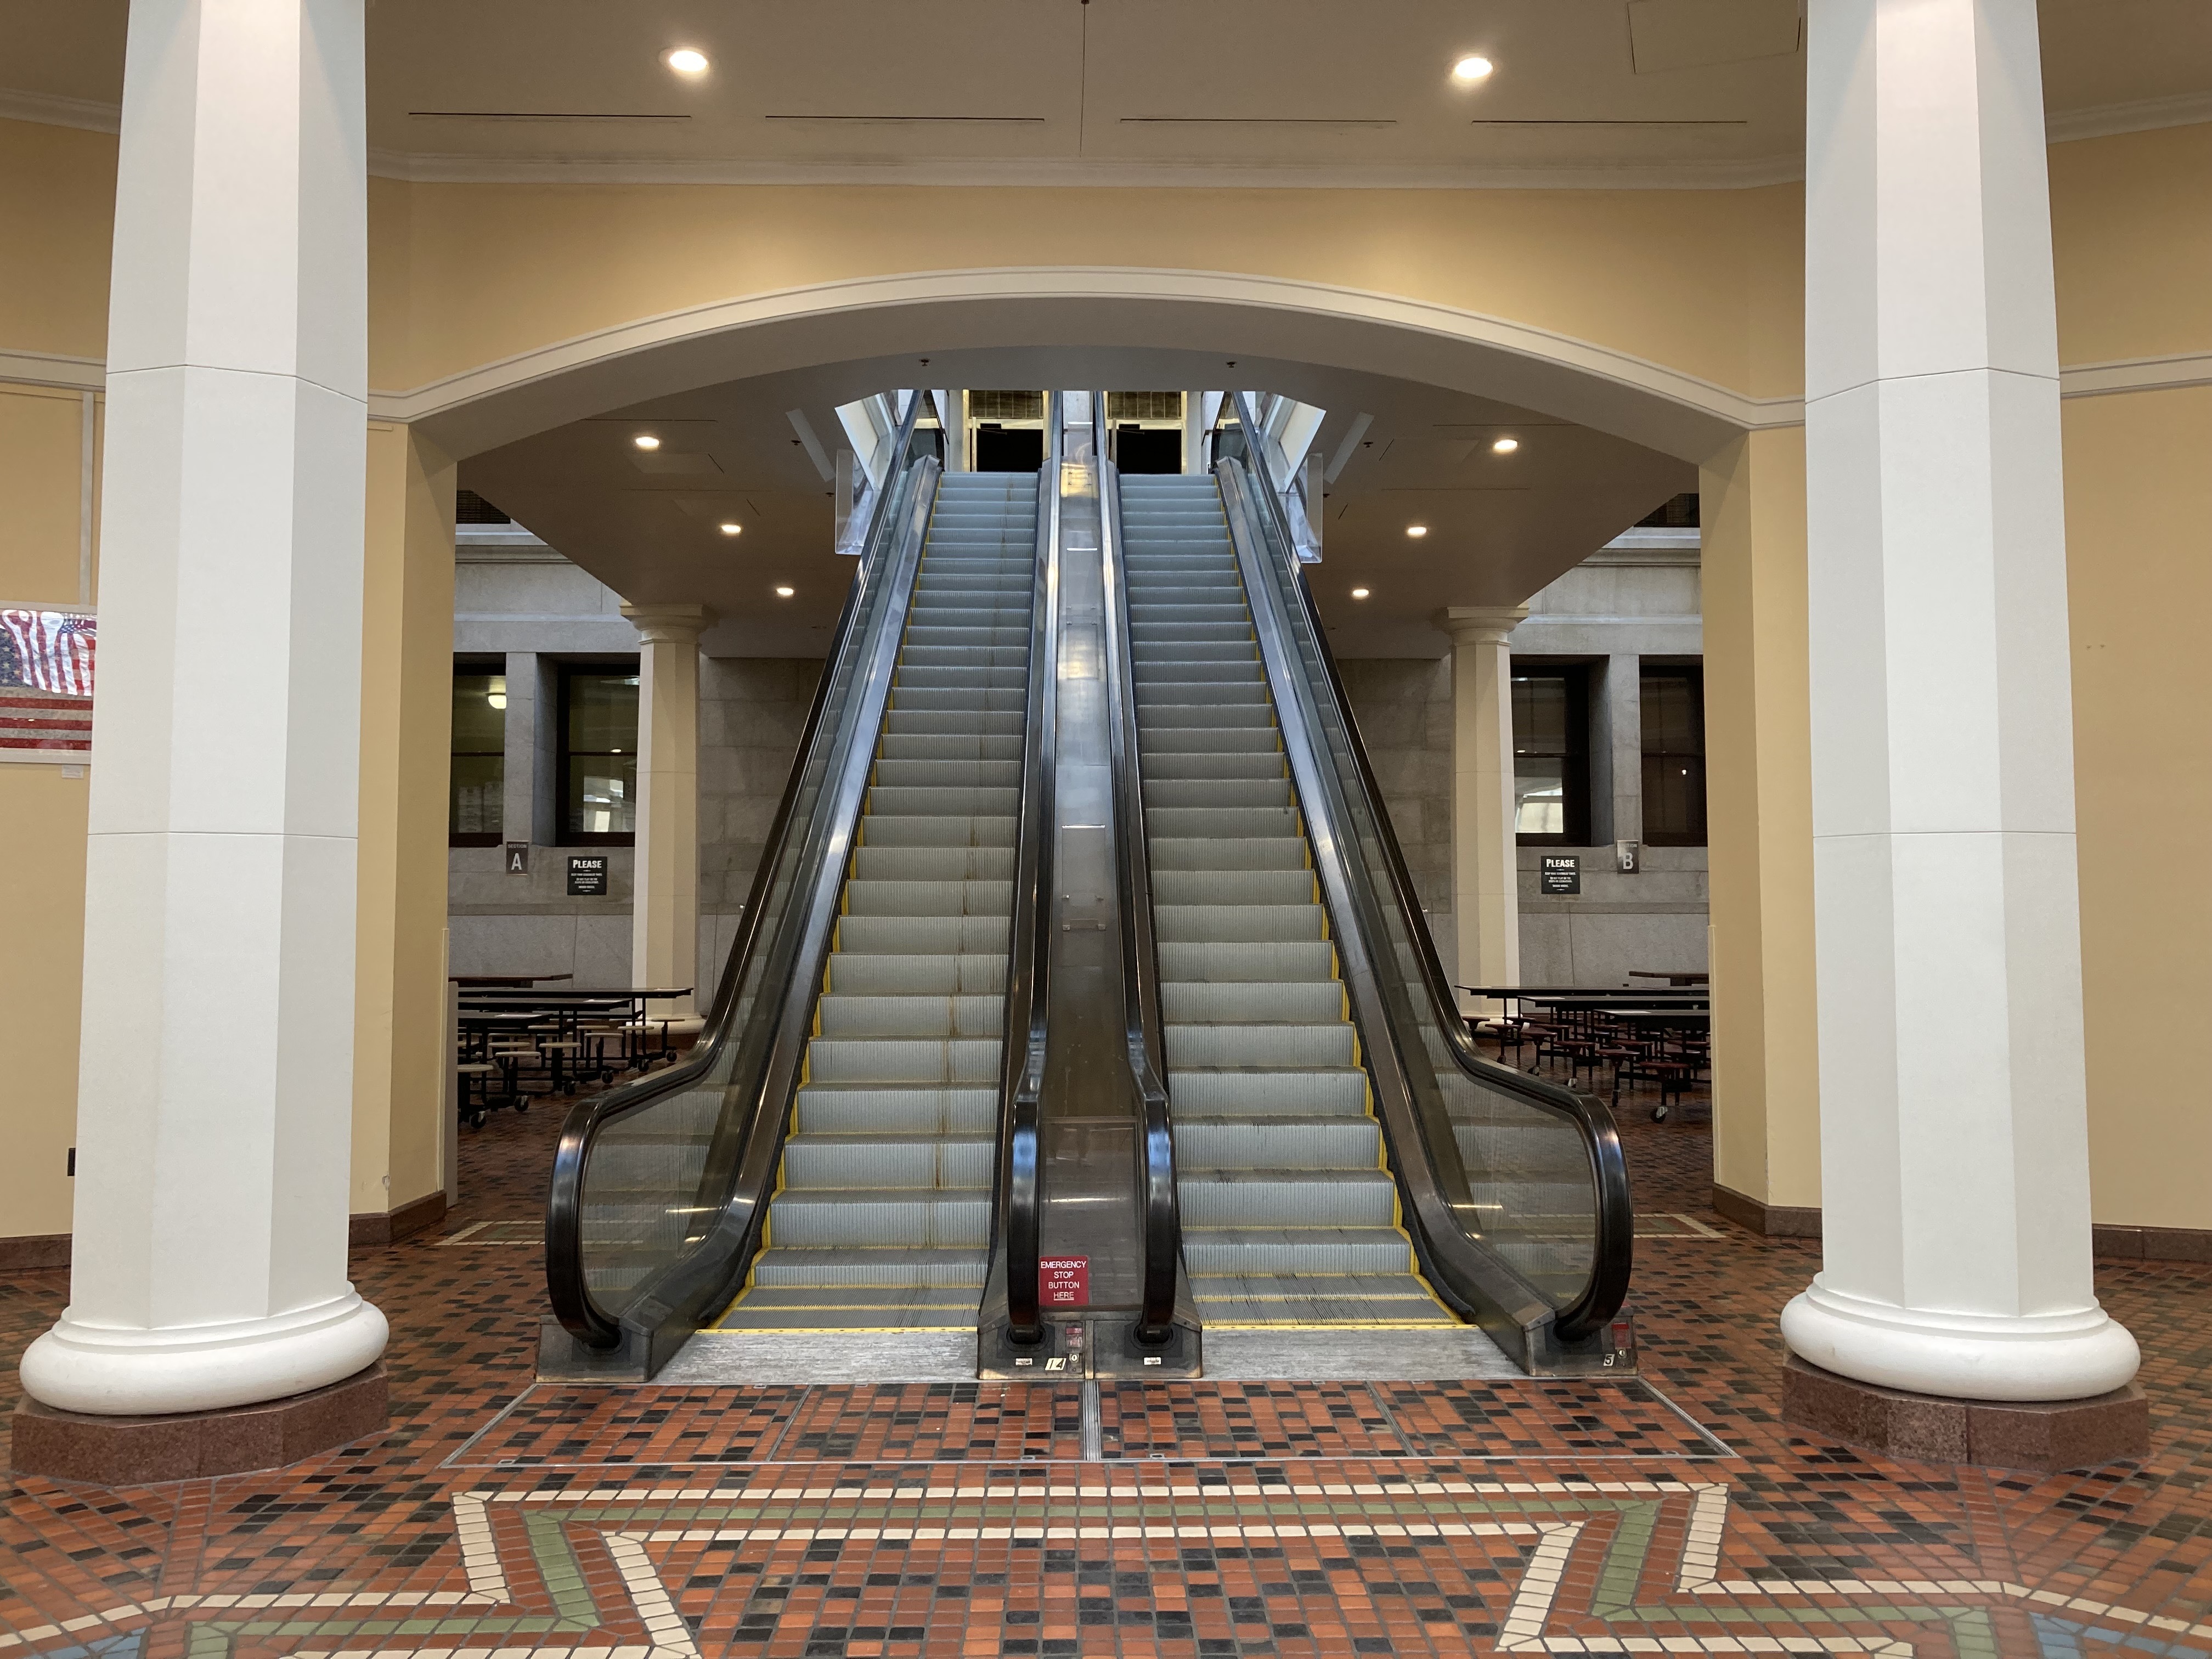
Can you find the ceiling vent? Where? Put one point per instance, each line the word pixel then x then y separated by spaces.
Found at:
pixel 1679 34
pixel 666 460
pixel 535 115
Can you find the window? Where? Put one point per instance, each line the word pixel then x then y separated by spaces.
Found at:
pixel 598 756
pixel 1674 756
pixel 1551 757
pixel 1677 512
pixel 479 769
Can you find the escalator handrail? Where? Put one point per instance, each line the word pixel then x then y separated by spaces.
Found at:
pixel 1488 1071
pixel 1612 1261
pixel 1140 973
pixel 1018 1214
pixel 566 1286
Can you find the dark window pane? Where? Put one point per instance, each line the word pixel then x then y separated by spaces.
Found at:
pixel 1540 715
pixel 469 507
pixel 1673 723
pixel 479 782
pixel 1679 513
pixel 1540 796
pixel 602 794
pixel 479 713
pixel 1674 800
pixel 602 714
pixel 473 816
pixel 599 762
pixel 1674 757
pixel 1551 758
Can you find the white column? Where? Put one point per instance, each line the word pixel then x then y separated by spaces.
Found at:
pixel 1954 1151
pixel 665 905
pixel 214 1120
pixel 1486 851
pixel 952 414
pixel 1620 737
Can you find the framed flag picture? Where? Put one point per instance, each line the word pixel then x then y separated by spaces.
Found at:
pixel 47 664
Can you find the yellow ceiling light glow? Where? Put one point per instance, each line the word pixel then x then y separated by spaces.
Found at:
pixel 1505 445
pixel 1417 531
pixel 732 529
pixel 785 593
pixel 1472 68
pixel 646 441
pixel 687 60
pixel 1359 592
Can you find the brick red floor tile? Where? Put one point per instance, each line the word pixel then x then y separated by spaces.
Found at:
pixel 501 1514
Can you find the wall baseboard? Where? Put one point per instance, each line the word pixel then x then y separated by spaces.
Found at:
pixel 2153 1243
pixel 373 1232
pixel 2110 1243
pixel 34 1250
pixel 1768 1220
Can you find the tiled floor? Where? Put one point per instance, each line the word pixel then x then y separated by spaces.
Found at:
pixel 1673 1514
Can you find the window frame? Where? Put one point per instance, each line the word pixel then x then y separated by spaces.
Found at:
pixel 1693 673
pixel 491 667
pixel 1574 772
pixel 566 673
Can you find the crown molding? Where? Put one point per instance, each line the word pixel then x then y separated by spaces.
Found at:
pixel 45 369
pixel 48 109
pixel 2175 371
pixel 2171 373
pixel 1071 173
pixel 2144 115
pixel 2062 127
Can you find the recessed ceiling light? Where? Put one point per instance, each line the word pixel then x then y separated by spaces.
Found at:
pixel 687 60
pixel 1505 445
pixel 1417 531
pixel 646 441
pixel 733 530
pixel 785 593
pixel 1359 592
pixel 1472 68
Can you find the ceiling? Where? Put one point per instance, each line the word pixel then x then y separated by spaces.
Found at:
pixel 1664 91
pixel 1500 527
pixel 1616 92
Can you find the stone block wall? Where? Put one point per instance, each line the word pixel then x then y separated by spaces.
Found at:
pixel 1404 710
pixel 752 711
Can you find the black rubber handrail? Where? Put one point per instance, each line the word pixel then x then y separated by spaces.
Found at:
pixel 689 1286
pixel 1018 1207
pixel 1606 1286
pixel 1140 971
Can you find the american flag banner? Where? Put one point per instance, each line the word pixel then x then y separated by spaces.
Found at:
pixel 45 683
pixel 53 650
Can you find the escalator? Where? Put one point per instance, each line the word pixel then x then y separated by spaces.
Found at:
pixel 881 1217
pixel 1081 941
pixel 1344 1158
pixel 1289 1209
pixel 824 1160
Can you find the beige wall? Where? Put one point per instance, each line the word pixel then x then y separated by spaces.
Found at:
pixel 406 739
pixel 479 260
pixel 42 822
pixel 2139 566
pixel 1707 283
pixel 58 205
pixel 2132 234
pixel 1766 1114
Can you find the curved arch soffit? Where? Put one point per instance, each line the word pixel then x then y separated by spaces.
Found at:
pixel 1261 316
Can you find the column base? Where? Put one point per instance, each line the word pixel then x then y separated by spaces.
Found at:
pixel 135 1451
pixel 2043 1435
